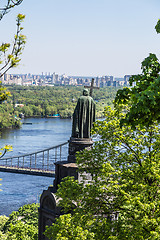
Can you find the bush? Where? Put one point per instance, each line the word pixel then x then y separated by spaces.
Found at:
pixel 20 225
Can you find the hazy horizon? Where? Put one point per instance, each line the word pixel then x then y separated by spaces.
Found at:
pixel 85 38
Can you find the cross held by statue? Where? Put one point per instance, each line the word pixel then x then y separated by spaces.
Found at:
pixel 91 87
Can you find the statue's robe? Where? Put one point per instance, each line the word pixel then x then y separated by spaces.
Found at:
pixel 83 117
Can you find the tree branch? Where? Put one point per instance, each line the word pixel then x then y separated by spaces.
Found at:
pixel 18 45
pixel 10 4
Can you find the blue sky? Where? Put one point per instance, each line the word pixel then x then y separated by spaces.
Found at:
pixel 85 37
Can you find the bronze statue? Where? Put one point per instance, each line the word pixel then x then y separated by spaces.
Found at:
pixel 83 116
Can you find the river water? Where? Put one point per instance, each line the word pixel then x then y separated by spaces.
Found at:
pixel 40 133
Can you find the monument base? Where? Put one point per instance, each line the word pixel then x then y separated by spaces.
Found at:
pixel 76 145
pixel 69 168
pixel 64 169
pixel 49 209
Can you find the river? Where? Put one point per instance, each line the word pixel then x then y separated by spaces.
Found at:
pixel 37 134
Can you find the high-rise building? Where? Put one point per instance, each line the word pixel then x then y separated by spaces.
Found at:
pixel 109 80
pixel 53 78
pixel 126 79
pixel 97 81
pixel 56 78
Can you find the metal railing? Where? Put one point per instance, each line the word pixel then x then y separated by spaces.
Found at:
pixel 41 160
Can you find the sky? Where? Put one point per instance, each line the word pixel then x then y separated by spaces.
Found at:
pixel 85 37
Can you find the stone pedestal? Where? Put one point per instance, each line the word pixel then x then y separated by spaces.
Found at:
pixel 69 168
pixel 64 169
pixel 49 210
pixel 76 145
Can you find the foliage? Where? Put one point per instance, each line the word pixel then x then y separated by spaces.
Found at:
pixel 7 61
pixel 46 101
pixel 157 27
pixel 3 93
pixel 22 224
pixel 12 59
pixel 66 228
pixel 5 118
pixel 5 149
pixel 125 169
pixel 3 220
pixel 8 118
pixel 144 98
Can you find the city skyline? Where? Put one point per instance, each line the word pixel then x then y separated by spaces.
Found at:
pixel 52 79
pixel 85 38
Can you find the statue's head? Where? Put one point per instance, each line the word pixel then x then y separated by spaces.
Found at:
pixel 85 92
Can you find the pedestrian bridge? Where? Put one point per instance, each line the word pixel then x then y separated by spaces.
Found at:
pixel 40 163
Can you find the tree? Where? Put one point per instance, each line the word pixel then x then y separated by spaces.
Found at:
pixel 157 27
pixel 143 99
pixel 125 169
pixel 22 224
pixel 122 199
pixel 3 93
pixel 12 59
